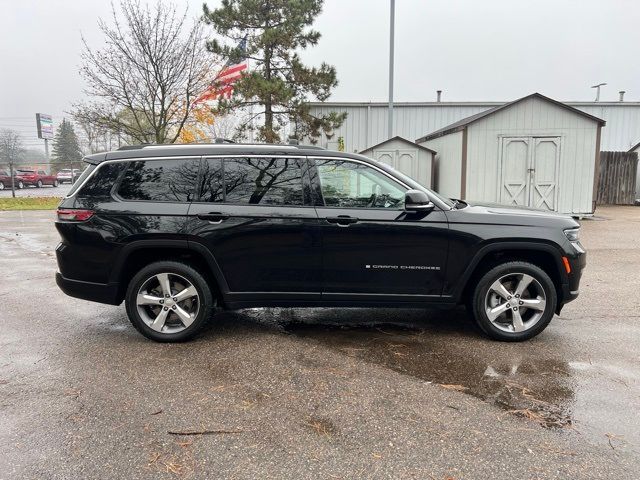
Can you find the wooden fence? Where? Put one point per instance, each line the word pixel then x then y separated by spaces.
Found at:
pixel 617 181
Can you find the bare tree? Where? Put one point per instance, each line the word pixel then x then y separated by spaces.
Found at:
pixel 95 138
pixel 145 79
pixel 11 150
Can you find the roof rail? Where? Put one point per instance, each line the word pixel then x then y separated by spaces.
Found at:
pixel 219 142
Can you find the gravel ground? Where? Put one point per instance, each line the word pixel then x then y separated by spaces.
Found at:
pixel 318 393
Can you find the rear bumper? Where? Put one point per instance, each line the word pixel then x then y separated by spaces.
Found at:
pixel 95 292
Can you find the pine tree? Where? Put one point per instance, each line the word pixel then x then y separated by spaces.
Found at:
pixel 66 148
pixel 278 81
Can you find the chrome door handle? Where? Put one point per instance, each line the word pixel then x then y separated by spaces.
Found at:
pixel 214 218
pixel 342 220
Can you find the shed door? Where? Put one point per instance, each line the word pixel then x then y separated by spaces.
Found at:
pixel 544 172
pixel 406 161
pixel 530 171
pixel 515 164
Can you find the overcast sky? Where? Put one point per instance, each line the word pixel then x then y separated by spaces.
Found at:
pixel 470 49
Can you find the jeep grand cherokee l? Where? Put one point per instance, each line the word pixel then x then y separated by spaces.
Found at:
pixel 177 232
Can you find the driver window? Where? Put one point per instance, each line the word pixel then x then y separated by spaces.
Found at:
pixel 354 185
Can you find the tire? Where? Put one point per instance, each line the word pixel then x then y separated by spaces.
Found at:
pixel 55 183
pixel 39 184
pixel 169 327
pixel 494 309
pixel 1 185
pixel 20 185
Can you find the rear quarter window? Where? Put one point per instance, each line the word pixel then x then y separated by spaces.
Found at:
pixel 100 184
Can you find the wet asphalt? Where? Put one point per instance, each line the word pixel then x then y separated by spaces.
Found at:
pixel 318 393
pixel 32 191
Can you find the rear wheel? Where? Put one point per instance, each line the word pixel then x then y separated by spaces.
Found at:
pixel 55 183
pixel 1 185
pixel 20 185
pixel 169 301
pixel 39 184
pixel 514 301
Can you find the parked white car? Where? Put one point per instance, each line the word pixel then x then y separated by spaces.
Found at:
pixel 68 175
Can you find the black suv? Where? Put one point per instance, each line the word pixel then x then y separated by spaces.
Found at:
pixel 179 231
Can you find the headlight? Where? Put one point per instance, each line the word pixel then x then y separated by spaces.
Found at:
pixel 573 234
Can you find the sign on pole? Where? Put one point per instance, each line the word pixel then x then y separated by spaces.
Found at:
pixel 45 126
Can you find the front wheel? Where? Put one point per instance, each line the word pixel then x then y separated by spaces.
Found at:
pixel 39 184
pixel 514 301
pixel 169 301
pixel 55 183
pixel 1 185
pixel 20 185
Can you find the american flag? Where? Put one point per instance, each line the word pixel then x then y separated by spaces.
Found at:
pixel 222 84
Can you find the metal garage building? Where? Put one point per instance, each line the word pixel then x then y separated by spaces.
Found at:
pixel 409 158
pixel 366 122
pixel 534 151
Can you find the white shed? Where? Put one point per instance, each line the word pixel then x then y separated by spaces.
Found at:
pixel 415 161
pixel 534 151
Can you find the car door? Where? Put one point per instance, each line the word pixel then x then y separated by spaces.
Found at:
pixel 372 248
pixel 255 216
pixel 46 179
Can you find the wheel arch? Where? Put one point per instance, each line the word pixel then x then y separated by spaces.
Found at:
pixel 138 254
pixel 543 255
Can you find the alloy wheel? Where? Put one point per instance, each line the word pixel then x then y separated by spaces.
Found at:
pixel 515 302
pixel 168 303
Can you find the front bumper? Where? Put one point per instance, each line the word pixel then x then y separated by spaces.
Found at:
pixel 571 284
pixel 95 292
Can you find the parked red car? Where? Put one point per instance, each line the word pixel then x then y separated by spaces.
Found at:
pixel 35 177
pixel 5 180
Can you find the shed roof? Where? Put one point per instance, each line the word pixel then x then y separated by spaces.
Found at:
pixel 401 139
pixel 461 124
pixel 633 149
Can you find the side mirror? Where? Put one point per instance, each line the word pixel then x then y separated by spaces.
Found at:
pixel 417 201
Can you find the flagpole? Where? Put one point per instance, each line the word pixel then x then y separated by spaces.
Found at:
pixel 391 53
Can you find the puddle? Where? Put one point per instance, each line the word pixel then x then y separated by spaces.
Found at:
pixel 26 241
pixel 440 349
pixel 537 389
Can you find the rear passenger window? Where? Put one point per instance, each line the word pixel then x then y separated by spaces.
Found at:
pixel 160 180
pixel 253 181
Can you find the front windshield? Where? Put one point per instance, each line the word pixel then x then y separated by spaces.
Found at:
pixel 413 184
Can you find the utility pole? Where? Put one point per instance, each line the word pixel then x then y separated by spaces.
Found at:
pixel 391 52
pixel 46 149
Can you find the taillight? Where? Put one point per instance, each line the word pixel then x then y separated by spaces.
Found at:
pixel 73 215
